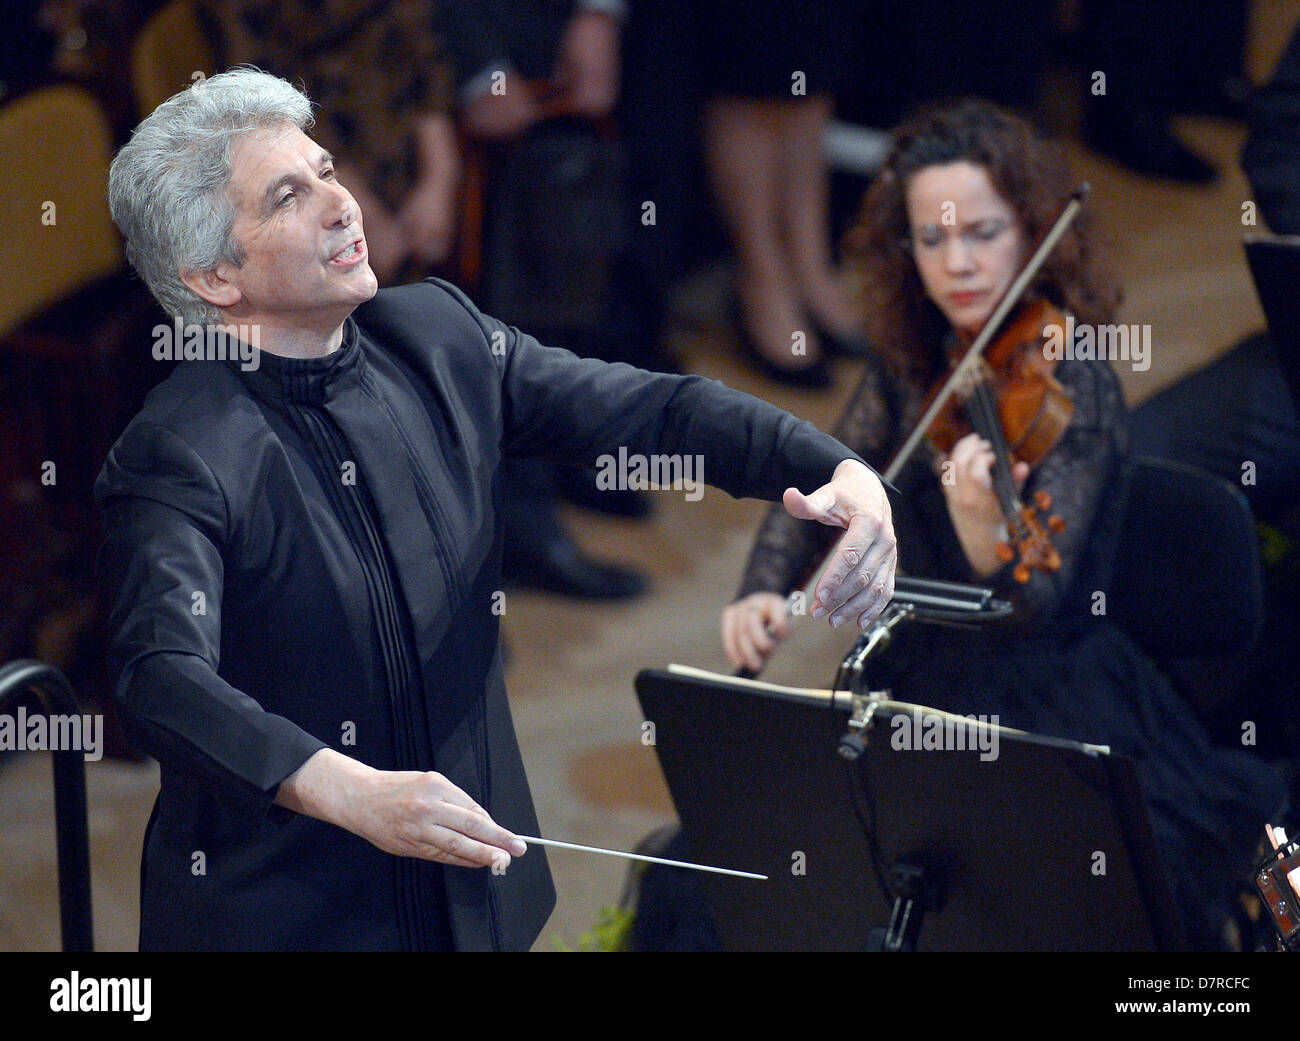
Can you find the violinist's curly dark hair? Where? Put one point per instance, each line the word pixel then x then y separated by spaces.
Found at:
pixel 1028 171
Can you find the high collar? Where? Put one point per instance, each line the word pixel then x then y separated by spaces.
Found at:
pixel 307 381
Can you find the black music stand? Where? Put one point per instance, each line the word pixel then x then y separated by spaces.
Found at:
pixel 1004 849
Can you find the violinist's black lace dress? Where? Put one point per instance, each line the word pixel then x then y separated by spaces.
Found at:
pixel 1058 668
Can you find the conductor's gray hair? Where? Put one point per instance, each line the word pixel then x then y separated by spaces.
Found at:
pixel 168 187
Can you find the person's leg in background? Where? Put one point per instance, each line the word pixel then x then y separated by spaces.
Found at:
pixel 805 184
pixel 745 156
pixel 1134 46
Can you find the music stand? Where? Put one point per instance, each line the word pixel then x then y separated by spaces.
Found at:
pixel 1007 846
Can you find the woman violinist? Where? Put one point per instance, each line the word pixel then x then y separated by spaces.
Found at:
pixel 966 194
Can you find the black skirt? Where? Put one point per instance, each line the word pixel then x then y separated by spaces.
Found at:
pixel 754 48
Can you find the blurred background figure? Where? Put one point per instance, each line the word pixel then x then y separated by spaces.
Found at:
pixel 771 70
pixel 27 45
pixel 537 83
pixel 1159 58
pixel 582 116
pixel 1271 156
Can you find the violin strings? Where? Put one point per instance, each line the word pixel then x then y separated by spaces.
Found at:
pixel 985 418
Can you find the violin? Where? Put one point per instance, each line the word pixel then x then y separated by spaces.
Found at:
pixel 1032 407
pixel 1005 392
pixel 1015 403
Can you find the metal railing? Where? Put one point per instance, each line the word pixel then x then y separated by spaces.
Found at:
pixel 55 696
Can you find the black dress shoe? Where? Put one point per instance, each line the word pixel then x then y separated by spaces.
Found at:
pixel 816 376
pixel 579 488
pixel 1141 140
pixel 558 566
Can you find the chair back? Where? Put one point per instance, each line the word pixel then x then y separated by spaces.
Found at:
pixel 54 696
pixel 168 50
pixel 55 147
pixel 1187 580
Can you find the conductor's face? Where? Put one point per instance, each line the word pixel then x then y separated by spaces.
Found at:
pixel 305 261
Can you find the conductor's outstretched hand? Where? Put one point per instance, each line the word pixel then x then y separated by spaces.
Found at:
pixel 859 578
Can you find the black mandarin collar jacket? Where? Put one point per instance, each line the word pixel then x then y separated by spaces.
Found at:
pixel 305 555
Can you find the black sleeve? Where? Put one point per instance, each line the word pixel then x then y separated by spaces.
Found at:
pixel 567 409
pixel 165 520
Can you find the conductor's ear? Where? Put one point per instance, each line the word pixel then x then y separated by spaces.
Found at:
pixel 213 286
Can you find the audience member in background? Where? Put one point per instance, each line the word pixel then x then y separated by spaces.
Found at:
pixel 1158 58
pixel 771 70
pixel 537 84
pixel 1271 157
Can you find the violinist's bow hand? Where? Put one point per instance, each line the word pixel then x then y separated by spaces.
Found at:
pixel 859 579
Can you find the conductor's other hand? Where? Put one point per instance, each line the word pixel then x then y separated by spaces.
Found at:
pixel 752 627
pixel 859 579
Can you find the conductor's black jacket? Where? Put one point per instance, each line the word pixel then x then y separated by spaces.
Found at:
pixel 307 554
